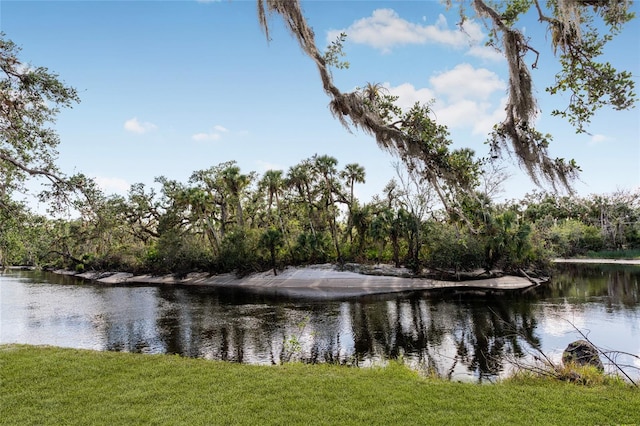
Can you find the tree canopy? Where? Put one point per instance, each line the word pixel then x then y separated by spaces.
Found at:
pixel 224 219
pixel 579 30
pixel 30 99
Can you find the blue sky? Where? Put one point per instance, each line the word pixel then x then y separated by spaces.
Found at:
pixel 170 87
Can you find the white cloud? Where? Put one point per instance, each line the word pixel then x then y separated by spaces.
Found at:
pixel 112 185
pixel 206 137
pixel 483 124
pixel 465 81
pixel 485 52
pixel 463 113
pixel 463 98
pixel 385 29
pixel 408 95
pixel 598 138
pixel 479 116
pixel 213 135
pixel 473 32
pixel 263 166
pixel 135 126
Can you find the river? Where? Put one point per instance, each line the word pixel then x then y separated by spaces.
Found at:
pixel 460 336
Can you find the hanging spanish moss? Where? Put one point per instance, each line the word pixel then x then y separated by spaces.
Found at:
pixel 355 108
pixel 567 28
pixel 516 134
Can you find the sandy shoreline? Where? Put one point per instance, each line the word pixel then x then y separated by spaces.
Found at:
pixel 321 281
pixel 326 281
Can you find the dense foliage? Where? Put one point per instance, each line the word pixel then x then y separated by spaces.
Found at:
pixel 30 99
pixel 224 220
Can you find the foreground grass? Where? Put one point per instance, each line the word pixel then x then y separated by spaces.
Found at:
pixel 64 386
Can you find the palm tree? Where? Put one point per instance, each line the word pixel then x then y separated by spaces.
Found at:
pixel 202 210
pixel 300 177
pixel 272 240
pixel 326 166
pixel 361 219
pixel 274 184
pixel 272 181
pixel 235 183
pixel 352 173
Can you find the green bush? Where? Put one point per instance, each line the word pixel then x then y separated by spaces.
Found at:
pixel 572 237
pixel 450 247
pixel 239 252
pixel 507 242
pixel 313 248
pixel 179 254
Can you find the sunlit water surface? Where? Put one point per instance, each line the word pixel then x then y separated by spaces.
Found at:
pixel 464 337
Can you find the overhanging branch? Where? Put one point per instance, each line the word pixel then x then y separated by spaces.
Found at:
pixel 55 179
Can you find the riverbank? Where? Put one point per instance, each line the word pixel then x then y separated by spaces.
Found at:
pixel 321 281
pixel 329 281
pixel 600 261
pixel 45 385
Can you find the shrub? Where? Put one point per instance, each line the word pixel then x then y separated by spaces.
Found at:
pixel 449 247
pixel 239 252
pixel 573 237
pixel 312 248
pixel 178 253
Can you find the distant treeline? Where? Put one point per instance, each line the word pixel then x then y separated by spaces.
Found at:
pixel 225 220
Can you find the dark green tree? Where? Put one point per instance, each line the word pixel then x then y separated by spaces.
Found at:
pixel 326 168
pixel 352 173
pixel 30 99
pixel 272 239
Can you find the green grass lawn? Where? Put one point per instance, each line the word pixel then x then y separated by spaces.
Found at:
pixel 43 385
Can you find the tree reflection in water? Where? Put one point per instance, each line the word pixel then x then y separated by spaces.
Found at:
pixel 448 334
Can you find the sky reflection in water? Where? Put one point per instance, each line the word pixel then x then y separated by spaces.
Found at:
pixel 457 336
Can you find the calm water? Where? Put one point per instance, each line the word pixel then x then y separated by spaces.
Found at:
pixel 463 337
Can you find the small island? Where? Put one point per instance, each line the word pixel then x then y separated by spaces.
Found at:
pixel 326 281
